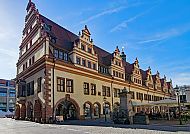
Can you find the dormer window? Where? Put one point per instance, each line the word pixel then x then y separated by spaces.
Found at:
pixel 82 47
pixel 56 53
pixel 65 56
pixel 89 50
pixel 61 55
pixel 78 60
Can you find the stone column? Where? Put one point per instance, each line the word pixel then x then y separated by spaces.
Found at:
pixel 125 104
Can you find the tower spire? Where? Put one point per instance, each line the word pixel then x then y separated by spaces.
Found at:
pixel 30 5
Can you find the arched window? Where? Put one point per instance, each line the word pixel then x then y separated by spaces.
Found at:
pixel 96 109
pixel 87 110
pixel 106 108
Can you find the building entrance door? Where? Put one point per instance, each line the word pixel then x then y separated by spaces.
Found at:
pixel 66 109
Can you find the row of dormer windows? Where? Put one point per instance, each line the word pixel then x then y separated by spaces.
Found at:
pixel 85 63
pixel 28 63
pixel 83 47
pixel 59 54
pixel 138 81
pixel 118 74
pixel 103 70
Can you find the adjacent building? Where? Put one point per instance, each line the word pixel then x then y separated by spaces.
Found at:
pixel 66 75
pixel 7 95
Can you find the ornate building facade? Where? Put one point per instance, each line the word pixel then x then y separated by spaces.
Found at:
pixel 63 74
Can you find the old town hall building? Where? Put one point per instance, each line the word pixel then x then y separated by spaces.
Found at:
pixel 63 74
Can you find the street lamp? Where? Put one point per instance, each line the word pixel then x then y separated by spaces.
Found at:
pixel 104 99
pixel 179 106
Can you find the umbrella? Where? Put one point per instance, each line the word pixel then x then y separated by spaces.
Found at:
pixel 165 102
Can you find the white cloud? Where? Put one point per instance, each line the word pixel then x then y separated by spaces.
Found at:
pixel 181 79
pixel 107 12
pixel 165 35
pixel 125 23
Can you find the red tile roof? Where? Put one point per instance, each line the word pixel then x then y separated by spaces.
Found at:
pixel 144 74
pixel 64 38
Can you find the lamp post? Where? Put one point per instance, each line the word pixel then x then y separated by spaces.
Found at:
pixel 179 106
pixel 53 86
pixel 104 99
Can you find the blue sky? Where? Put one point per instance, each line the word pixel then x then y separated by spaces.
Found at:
pixel 157 32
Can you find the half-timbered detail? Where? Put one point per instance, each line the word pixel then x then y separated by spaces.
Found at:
pixel 64 76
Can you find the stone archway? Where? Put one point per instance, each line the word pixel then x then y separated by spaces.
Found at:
pixel 67 108
pixel 37 111
pixel 17 112
pixel 97 109
pixel 30 111
pixel 23 112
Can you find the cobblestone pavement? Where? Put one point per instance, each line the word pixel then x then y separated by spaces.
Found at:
pixel 10 126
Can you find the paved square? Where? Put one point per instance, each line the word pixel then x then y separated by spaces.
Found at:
pixel 10 126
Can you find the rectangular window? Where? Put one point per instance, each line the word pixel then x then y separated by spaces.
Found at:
pixel 28 89
pixel 26 47
pixel 108 92
pixel 12 93
pixel 89 50
pixel 32 88
pixel 82 47
pixel 94 66
pixel 30 62
pixel 78 60
pixel 113 73
pixel 86 88
pixel 23 66
pixel 115 92
pixel 69 85
pixel 65 58
pixel 93 89
pixel 56 53
pixel 33 60
pixel 116 74
pixel 39 83
pixel 60 84
pixel 60 55
pixel 84 62
pixel 145 97
pixel 104 90
pixel 132 95
pixel 89 64
pixel 3 92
